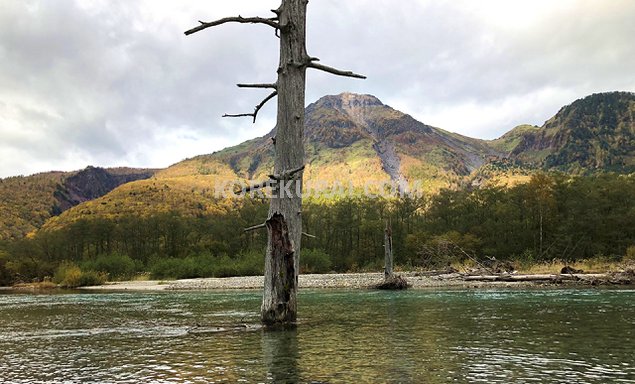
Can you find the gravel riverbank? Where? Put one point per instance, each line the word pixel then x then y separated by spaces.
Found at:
pixel 340 280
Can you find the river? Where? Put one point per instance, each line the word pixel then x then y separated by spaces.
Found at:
pixel 343 336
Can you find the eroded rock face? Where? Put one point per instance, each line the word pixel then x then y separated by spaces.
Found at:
pixel 93 182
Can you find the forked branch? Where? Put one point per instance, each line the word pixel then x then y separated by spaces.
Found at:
pixel 313 64
pixel 258 107
pixel 272 22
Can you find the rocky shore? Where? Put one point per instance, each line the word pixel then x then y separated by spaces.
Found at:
pixel 361 281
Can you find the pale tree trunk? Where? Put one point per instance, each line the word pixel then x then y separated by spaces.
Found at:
pixel 391 281
pixel 284 221
pixel 387 252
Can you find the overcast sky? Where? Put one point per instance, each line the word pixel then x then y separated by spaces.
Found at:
pixel 116 83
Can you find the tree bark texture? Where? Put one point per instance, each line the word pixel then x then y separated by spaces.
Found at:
pixel 284 222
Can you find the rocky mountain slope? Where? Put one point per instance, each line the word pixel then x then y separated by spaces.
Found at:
pixel 356 138
pixel 593 133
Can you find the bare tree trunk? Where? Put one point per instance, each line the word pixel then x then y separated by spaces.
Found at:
pixel 284 223
pixel 387 252
pixel 391 281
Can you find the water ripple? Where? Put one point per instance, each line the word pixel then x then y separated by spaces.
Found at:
pixel 493 336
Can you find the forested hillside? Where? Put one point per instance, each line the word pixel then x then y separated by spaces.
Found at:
pixel 26 202
pixel 550 217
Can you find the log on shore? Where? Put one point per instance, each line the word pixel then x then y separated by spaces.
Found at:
pixel 536 278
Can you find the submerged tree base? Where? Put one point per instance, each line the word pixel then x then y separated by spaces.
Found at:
pixel 395 282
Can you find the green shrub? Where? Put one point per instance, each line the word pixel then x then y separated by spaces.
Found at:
pixel 115 265
pixel 224 266
pixel 88 278
pixel 630 254
pixel 315 261
pixel 171 268
pixel 183 268
pixel 69 275
pixel 250 263
pixel 205 265
pixel 6 277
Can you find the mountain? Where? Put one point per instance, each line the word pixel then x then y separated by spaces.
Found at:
pixel 27 202
pixel 357 139
pixel 591 134
pixel 353 140
pixel 403 148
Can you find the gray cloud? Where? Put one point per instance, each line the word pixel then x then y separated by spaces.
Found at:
pixel 117 82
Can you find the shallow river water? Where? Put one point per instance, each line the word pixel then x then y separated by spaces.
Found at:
pixel 416 336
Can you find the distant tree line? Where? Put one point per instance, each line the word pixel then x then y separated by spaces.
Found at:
pixel 551 217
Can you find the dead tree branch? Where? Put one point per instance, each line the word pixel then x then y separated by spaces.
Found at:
pixel 272 22
pixel 309 235
pixel 258 107
pixel 263 85
pixel 313 64
pixel 254 227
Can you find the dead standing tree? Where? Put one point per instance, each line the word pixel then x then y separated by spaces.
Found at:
pixel 284 221
pixel 388 252
pixel 391 281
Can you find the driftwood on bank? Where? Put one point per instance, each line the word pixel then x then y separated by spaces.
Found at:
pixel 615 278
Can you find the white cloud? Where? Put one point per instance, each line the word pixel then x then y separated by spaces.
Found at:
pixel 117 83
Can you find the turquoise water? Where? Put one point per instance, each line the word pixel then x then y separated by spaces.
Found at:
pixel 417 336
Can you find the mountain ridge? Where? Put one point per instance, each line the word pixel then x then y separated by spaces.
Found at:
pixel 596 132
pixel 357 139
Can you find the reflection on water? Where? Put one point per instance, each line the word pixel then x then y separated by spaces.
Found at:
pixel 493 336
pixel 280 352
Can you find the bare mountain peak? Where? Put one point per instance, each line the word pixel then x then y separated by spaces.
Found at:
pixel 352 100
pixel 360 109
pixel 347 101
